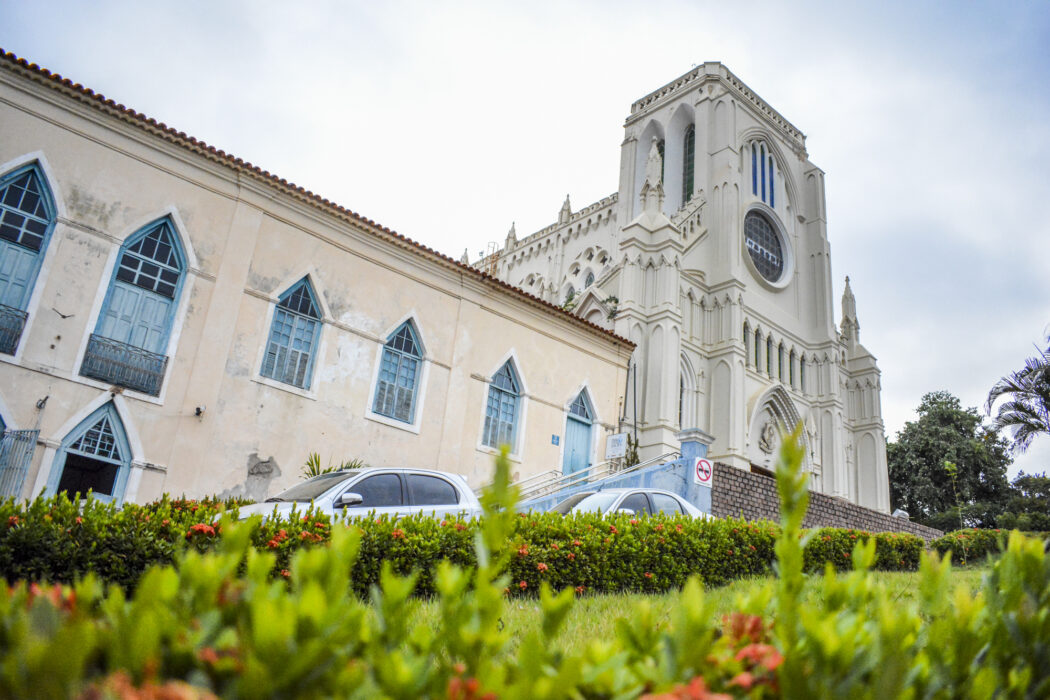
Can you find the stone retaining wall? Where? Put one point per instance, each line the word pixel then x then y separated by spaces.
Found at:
pixel 754 496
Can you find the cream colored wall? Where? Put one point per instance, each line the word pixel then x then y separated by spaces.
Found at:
pixel 250 242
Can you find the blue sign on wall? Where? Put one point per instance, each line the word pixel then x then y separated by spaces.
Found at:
pixel 555 439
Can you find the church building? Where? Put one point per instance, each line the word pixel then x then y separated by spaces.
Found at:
pixel 713 258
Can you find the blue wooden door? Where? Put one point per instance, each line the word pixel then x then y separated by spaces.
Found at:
pixel 137 317
pixel 17 265
pixel 577 445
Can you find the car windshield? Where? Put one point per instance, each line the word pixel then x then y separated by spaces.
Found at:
pixel 596 503
pixel 309 489
pixel 565 506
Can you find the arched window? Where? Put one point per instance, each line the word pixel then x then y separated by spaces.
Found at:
pixel 763 173
pixel 769 355
pixel 747 344
pixel 131 336
pixel 660 148
pixel 501 412
pixel 758 351
pixel 681 398
pixel 95 457
pixel 791 369
pixel 399 375
pixel 689 149
pixel 294 331
pixel 780 362
pixel 570 294
pixel 802 374
pixel 27 217
pixel 589 280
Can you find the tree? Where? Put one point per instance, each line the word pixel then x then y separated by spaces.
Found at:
pixel 923 484
pixel 1027 412
pixel 1029 505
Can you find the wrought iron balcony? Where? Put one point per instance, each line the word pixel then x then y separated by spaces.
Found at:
pixel 12 321
pixel 124 365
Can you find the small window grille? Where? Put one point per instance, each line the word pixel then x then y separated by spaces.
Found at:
pixel 24 216
pixel 152 263
pixel 581 408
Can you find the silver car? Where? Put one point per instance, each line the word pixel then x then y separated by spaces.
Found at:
pixel 393 492
pixel 636 501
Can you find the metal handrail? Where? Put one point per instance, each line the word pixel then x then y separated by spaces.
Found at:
pixel 588 475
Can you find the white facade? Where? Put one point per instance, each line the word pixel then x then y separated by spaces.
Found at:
pixel 188 323
pixel 735 332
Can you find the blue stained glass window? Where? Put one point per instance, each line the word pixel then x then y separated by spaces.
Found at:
pixel 501 412
pixel 399 376
pixel 293 337
pixel 772 189
pixel 763 150
pixel 754 170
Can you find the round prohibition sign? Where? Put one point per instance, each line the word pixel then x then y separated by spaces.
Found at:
pixel 703 471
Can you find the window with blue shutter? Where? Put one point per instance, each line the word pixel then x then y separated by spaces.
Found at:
pixel 129 345
pixel 292 347
pixel 94 457
pixel 399 370
pixel 27 218
pixel 501 412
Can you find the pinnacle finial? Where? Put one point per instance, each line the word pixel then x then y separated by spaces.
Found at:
pixel 465 258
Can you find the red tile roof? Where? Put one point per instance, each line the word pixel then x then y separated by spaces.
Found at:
pixel 43 75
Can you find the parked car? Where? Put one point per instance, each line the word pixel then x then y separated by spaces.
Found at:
pixel 393 492
pixel 628 500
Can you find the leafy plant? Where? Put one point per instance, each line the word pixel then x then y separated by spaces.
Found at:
pixel 313 466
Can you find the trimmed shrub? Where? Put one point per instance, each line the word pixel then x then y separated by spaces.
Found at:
pixel 53 540
pixel 974 546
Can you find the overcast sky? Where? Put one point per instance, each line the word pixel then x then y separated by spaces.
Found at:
pixel 448 121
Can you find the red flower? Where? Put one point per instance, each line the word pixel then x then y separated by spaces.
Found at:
pixel 743 679
pixel 79 520
pixel 678 527
pixel 846 555
pixel 443 523
pixel 580 590
pixel 306 518
pixel 648 574
pixel 752 547
pixel 541 566
pixel 460 527
pixel 398 534
pixel 554 545
pixel 571 556
pixel 523 550
pixel 286 573
pixel 165 522
pixel 613 530
pixel 522 585
pixel 634 521
pixel 731 552
pixel 659 528
pixel 576 543
pixel 13 520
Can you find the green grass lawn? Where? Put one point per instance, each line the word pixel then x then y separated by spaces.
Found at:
pixel 594 617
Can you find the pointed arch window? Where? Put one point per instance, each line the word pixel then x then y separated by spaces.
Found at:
pixel 791 369
pixel 580 408
pixel 660 148
pixel 758 350
pixel 689 150
pixel 27 217
pixel 802 374
pixel 780 362
pixel 294 332
pixel 589 280
pixel 399 372
pixel 769 355
pixel 95 457
pixel 747 344
pixel 763 173
pixel 501 411
pixel 131 335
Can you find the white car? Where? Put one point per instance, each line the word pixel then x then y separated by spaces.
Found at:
pixel 636 501
pixel 358 492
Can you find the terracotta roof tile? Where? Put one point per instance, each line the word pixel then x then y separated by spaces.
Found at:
pixel 10 60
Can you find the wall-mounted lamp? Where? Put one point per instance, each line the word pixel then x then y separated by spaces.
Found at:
pixel 199 412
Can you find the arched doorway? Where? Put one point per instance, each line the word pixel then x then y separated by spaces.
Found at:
pixel 94 456
pixel 577 453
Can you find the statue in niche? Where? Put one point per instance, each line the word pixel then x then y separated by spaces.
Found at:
pixel 767 437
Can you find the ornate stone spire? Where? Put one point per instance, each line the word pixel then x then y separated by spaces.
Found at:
pixel 652 194
pixel 512 238
pixel 566 211
pixel 465 258
pixel 850 326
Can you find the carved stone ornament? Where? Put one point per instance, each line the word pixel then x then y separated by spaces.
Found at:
pixel 767 438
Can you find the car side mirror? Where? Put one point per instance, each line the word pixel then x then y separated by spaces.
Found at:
pixel 625 511
pixel 349 499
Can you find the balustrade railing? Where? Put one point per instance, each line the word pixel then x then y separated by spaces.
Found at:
pixel 124 365
pixel 12 322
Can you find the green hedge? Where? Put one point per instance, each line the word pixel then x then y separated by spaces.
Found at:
pixel 974 546
pixel 53 540
pixel 217 623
